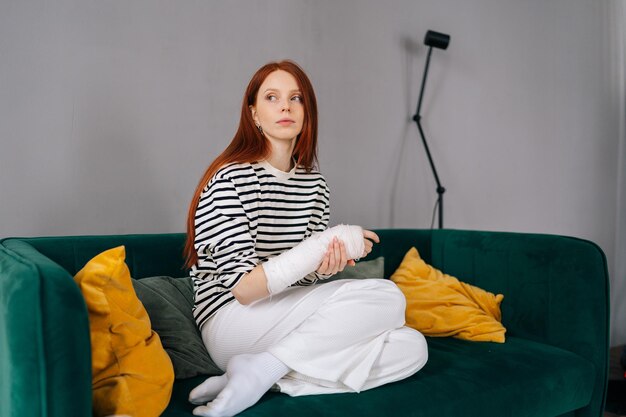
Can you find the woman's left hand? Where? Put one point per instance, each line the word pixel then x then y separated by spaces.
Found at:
pixel 335 259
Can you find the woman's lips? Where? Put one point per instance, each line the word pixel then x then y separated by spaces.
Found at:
pixel 285 122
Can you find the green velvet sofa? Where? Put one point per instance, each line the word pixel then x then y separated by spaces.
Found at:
pixel 555 309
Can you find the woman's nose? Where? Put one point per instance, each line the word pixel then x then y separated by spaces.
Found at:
pixel 286 106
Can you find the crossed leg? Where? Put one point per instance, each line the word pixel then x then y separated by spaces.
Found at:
pixel 348 314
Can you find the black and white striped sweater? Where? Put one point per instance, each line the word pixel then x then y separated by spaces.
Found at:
pixel 248 213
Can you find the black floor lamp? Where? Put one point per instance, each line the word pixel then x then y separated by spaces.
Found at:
pixel 441 41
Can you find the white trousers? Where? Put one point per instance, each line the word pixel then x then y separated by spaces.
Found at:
pixel 340 336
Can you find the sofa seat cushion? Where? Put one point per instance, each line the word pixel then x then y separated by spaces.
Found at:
pixel 516 378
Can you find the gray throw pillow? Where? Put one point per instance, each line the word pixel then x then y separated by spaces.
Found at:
pixel 168 302
pixel 365 269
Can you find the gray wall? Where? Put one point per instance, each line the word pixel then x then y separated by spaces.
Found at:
pixel 111 110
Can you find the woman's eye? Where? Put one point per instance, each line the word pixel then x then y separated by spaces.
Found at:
pixel 271 97
pixel 297 98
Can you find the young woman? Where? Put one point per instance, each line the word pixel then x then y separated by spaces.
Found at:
pixel 258 237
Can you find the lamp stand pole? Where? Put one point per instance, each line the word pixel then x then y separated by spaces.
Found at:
pixel 417 118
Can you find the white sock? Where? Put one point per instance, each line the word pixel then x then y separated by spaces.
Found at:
pixel 208 390
pixel 249 376
pixel 283 270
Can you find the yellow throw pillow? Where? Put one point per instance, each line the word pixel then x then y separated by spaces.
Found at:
pixel 440 305
pixel 131 372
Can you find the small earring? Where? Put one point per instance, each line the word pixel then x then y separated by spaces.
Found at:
pixel 260 128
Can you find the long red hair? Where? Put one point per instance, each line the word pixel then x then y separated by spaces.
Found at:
pixel 249 145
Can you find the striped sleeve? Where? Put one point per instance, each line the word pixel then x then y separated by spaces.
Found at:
pixel 225 246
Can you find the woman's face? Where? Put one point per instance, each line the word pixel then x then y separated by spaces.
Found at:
pixel 279 108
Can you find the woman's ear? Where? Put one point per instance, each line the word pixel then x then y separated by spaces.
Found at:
pixel 253 113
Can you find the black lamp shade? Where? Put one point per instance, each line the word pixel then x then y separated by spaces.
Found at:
pixel 436 39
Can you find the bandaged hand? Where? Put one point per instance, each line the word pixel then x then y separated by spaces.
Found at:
pixel 336 259
pixel 283 270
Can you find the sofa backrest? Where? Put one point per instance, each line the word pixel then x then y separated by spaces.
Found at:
pixel 146 254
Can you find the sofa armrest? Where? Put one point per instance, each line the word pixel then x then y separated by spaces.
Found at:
pixel 556 289
pixel 45 355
